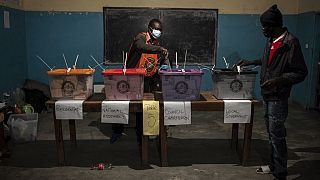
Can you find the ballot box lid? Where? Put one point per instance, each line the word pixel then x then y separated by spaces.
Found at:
pixel 130 71
pixel 71 72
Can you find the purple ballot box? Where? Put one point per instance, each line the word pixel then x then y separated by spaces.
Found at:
pixel 181 85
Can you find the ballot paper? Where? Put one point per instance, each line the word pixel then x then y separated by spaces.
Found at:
pixel 69 109
pixel 237 111
pixel 177 112
pixel 150 118
pixel 115 112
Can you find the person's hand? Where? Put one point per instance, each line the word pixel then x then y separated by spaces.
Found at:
pixel 269 84
pixel 164 52
pixel 166 61
pixel 244 63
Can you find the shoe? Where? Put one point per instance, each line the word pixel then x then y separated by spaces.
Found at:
pixel 115 137
pixel 264 170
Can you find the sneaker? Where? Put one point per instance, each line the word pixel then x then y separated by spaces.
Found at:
pixel 264 170
pixel 115 137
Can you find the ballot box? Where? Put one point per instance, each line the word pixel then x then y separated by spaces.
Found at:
pixel 23 127
pixel 229 84
pixel 73 84
pixel 180 85
pixel 123 84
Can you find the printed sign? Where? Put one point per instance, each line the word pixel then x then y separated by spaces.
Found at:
pixel 177 113
pixel 115 112
pixel 237 111
pixel 69 109
pixel 150 118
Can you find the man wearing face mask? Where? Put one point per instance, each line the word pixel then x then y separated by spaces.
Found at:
pixel 145 52
pixel 282 66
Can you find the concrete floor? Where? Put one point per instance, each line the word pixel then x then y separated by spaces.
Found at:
pixel 197 151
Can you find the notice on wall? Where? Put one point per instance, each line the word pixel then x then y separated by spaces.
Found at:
pixel 237 111
pixel 177 113
pixel 6 19
pixel 69 109
pixel 115 112
pixel 150 118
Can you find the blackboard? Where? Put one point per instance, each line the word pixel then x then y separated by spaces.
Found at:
pixel 194 30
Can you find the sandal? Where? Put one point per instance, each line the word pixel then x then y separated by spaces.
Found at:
pixel 264 170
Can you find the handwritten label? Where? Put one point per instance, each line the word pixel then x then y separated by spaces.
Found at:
pixel 69 109
pixel 150 118
pixel 115 112
pixel 177 113
pixel 237 111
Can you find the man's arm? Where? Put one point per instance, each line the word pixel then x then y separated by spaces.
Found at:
pixel 141 46
pixel 297 70
pixel 256 62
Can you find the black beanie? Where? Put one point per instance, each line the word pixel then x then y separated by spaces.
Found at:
pixel 272 17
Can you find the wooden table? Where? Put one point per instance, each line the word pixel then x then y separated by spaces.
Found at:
pixel 207 102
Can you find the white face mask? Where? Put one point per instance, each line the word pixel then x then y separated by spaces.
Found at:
pixel 156 33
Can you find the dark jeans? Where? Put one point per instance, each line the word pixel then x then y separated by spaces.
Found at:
pixel 275 116
pixel 118 128
pixel 150 84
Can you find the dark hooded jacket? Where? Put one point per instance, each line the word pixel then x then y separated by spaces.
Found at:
pixel 287 67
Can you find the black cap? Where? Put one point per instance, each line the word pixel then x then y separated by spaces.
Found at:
pixel 272 17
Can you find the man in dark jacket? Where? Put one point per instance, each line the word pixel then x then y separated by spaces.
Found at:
pixel 282 65
pixel 143 53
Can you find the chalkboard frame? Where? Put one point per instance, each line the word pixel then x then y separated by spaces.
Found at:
pixel 105 24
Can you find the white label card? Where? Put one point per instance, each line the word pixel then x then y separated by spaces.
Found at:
pixel 69 109
pixel 6 19
pixel 115 112
pixel 177 112
pixel 237 111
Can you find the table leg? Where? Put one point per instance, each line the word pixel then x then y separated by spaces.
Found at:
pixel 3 144
pixel 247 138
pixel 144 150
pixel 59 139
pixel 163 139
pixel 73 134
pixel 234 138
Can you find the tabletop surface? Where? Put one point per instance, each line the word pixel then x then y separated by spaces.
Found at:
pixel 99 97
pixel 207 102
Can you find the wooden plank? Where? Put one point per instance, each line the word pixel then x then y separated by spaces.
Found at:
pixel 163 138
pixel 59 139
pixel 73 134
pixel 234 136
pixel 247 138
pixel 3 144
pixel 144 150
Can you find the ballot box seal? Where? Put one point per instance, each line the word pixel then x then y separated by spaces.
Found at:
pixel 123 87
pixel 67 88
pixel 181 87
pixel 236 85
